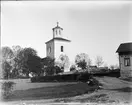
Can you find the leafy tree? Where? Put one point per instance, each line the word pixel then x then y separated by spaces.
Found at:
pixel 63 62
pixel 23 57
pixel 82 64
pixel 6 67
pixel 48 66
pixel 16 49
pixel 20 60
pixel 15 61
pixel 82 60
pixel 51 70
pixel 99 61
pixel 34 64
pixel 47 61
pixel 7 55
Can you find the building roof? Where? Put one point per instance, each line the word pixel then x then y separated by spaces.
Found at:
pixel 57 27
pixel 59 38
pixel 124 47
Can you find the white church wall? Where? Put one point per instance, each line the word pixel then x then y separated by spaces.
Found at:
pixel 50 53
pixel 58 52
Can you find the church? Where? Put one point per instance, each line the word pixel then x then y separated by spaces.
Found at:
pixel 58 45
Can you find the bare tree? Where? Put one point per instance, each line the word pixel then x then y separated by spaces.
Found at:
pixel 99 61
pixel 89 63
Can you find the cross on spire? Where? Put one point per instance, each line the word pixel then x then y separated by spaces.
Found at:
pixel 57 23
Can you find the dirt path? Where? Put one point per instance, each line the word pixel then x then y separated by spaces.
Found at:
pixel 114 91
pixel 117 89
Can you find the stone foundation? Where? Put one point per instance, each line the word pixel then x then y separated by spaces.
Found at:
pixel 126 73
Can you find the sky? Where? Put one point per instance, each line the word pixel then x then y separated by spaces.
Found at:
pixel 95 28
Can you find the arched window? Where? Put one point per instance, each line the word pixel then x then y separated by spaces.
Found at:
pixel 62 49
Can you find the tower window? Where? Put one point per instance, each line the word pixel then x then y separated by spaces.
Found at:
pixel 56 32
pixel 127 61
pixel 62 49
pixel 59 32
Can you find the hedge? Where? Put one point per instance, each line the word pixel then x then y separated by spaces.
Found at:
pixel 109 74
pixel 63 78
pixel 82 76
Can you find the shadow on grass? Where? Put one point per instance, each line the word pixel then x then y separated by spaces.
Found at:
pixel 126 89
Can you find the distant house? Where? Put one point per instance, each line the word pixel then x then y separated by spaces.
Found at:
pixel 125 59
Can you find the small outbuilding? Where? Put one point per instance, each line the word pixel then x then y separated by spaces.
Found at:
pixel 125 59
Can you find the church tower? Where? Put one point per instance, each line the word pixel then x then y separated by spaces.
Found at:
pixel 57 31
pixel 57 45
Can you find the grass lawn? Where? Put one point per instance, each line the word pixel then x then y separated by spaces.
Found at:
pixel 114 92
pixel 25 90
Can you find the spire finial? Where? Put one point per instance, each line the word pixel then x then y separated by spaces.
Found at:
pixel 57 23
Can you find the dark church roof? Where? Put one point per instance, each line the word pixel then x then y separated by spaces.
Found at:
pixel 57 27
pixel 124 47
pixel 58 38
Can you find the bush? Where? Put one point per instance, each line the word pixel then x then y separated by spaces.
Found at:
pixel 84 77
pixel 94 81
pixel 7 88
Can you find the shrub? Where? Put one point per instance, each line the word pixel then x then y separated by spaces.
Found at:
pixel 72 68
pixel 7 88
